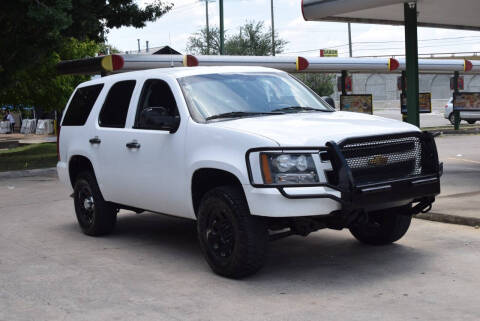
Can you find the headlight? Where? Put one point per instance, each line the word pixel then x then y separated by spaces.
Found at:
pixel 288 168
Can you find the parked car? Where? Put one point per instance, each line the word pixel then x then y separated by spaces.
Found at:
pixel 250 153
pixel 469 116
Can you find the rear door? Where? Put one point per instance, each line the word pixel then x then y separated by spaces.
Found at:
pixel 108 142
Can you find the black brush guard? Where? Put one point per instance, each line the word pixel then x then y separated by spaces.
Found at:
pixel 386 193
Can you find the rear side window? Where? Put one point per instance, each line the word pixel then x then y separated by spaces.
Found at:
pixel 115 109
pixel 81 105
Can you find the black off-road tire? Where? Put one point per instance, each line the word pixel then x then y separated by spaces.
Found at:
pixel 383 227
pixel 233 242
pixel 471 122
pixel 451 118
pixel 98 219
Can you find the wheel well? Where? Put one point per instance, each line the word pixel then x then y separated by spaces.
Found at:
pixel 206 179
pixel 77 165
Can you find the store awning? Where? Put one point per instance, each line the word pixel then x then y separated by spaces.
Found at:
pixel 456 14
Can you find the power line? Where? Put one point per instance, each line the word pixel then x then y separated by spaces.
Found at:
pixel 401 41
pixel 467 41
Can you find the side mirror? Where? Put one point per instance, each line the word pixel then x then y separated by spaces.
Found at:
pixel 158 118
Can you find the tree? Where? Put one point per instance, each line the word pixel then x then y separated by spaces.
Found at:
pixel 197 43
pixel 322 84
pixel 40 86
pixel 251 40
pixel 33 29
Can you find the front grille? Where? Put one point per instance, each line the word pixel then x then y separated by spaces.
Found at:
pixel 377 159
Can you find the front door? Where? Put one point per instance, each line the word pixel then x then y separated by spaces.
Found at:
pixel 155 161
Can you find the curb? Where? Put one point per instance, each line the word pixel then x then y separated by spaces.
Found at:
pixel 51 171
pixel 451 219
pixel 451 131
pixel 460 132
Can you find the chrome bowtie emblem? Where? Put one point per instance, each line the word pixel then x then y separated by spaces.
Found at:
pixel 378 160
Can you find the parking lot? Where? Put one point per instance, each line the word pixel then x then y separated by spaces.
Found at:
pixel 151 268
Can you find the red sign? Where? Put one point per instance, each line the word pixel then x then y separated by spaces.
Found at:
pixel 459 83
pixel 348 83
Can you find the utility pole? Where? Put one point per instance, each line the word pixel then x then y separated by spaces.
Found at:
pixel 350 40
pixel 146 45
pixel 222 40
pixel 208 31
pixel 273 29
pixel 138 41
pixel 207 25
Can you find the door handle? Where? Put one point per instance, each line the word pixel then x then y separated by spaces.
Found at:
pixel 95 140
pixel 133 144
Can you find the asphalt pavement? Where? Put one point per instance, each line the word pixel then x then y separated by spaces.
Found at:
pixel 151 267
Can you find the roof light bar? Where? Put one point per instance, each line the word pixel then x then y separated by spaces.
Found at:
pixel 122 63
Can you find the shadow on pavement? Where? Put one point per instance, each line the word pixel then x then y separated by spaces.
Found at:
pixel 326 258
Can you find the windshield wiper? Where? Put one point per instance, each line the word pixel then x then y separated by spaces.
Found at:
pixel 298 108
pixel 241 114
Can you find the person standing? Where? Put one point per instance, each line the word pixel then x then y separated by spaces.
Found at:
pixel 11 120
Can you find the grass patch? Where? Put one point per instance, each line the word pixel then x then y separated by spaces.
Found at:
pixel 29 157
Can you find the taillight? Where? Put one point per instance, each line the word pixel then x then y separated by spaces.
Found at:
pixel 446 106
pixel 58 142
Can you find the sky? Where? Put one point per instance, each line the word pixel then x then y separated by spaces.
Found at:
pixel 304 38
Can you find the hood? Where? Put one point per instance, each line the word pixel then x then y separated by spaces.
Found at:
pixel 316 128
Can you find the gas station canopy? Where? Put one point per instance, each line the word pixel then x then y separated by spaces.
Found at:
pixel 456 14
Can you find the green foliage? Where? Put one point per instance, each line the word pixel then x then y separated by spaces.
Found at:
pixel 251 40
pixel 197 43
pixel 36 34
pixel 28 157
pixel 322 84
pixel 39 86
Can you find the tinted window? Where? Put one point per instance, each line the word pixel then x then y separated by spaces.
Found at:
pixel 81 105
pixel 157 94
pixel 115 108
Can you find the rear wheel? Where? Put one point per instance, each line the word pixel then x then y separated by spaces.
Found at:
pixel 95 216
pixel 233 241
pixel 383 227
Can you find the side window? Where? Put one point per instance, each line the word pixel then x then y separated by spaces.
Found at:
pixel 156 98
pixel 81 105
pixel 115 109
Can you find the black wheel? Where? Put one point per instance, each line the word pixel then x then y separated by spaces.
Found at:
pixel 95 216
pixel 451 118
pixel 233 241
pixel 383 227
pixel 471 122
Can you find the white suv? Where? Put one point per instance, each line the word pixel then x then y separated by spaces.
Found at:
pixel 251 153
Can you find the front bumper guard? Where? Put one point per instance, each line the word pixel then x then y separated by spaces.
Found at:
pixel 422 188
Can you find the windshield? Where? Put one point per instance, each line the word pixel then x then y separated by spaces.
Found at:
pixel 236 95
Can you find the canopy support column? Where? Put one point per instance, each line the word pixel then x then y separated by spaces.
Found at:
pixel 411 57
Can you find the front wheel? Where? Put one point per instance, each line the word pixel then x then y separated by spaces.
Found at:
pixel 471 122
pixel 95 216
pixel 451 118
pixel 383 227
pixel 233 241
